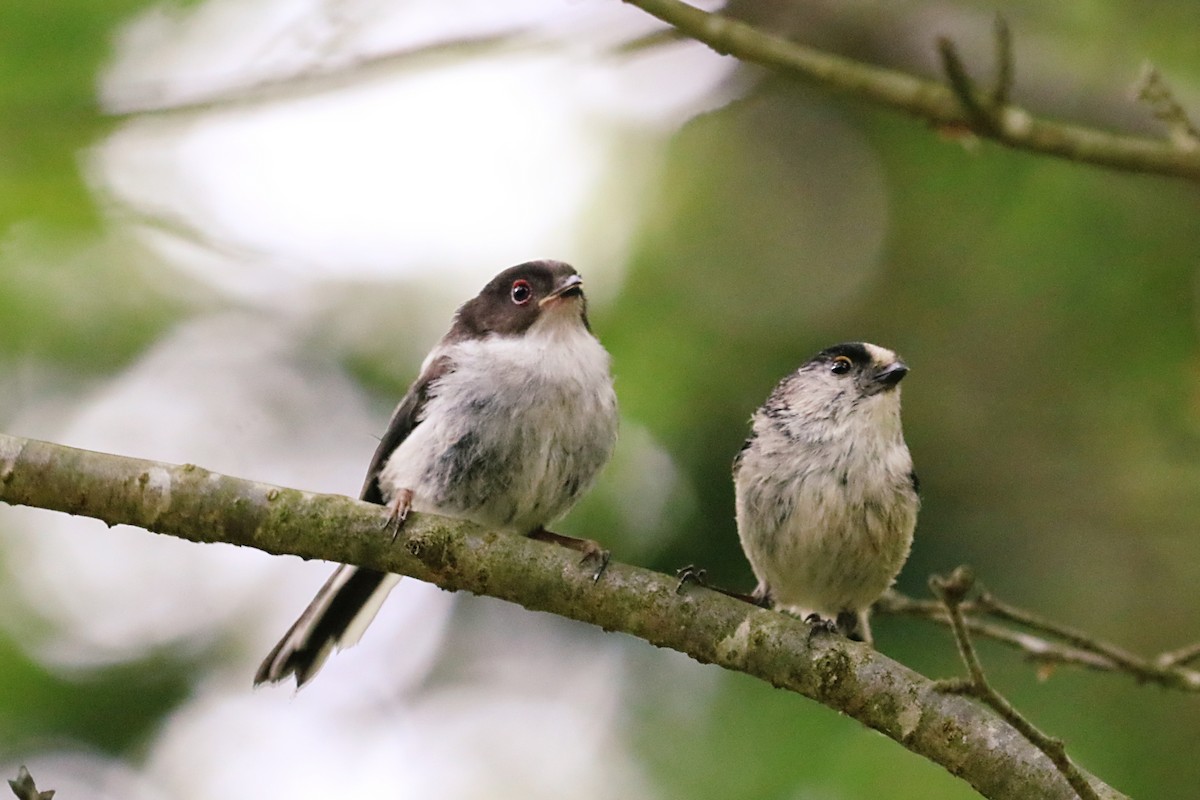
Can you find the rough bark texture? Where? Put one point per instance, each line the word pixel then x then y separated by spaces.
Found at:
pixel 192 503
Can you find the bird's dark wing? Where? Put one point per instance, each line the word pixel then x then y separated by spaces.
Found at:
pixel 349 600
pixel 404 420
pixel 741 454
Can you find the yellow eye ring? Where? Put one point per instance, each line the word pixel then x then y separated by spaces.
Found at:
pixel 840 365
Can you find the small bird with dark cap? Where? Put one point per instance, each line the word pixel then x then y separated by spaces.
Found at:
pixel 825 489
pixel 508 424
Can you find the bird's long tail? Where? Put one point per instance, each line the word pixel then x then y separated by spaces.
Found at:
pixel 336 618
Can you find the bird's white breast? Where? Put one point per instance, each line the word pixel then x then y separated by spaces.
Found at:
pixel 515 432
pixel 827 523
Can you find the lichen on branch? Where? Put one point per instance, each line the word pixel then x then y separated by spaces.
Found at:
pixel 192 503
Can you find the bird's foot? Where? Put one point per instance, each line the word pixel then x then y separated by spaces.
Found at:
pixel 699 576
pixel 691 574
pixel 591 549
pixel 398 510
pixel 819 625
pixel 847 624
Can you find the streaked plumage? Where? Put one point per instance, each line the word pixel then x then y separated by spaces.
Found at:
pixel 825 489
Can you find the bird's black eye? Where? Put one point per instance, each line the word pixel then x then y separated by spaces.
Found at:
pixel 521 292
pixel 840 365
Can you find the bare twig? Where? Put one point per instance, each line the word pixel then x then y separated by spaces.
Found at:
pixel 147 99
pixel 1005 67
pixel 1058 644
pixel 24 788
pixel 1072 636
pixel 649 41
pixel 925 99
pixel 1177 658
pixel 952 591
pixel 981 119
pixel 1035 648
pixel 1152 89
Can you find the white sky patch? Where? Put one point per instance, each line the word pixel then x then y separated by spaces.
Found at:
pixel 512 721
pixel 463 164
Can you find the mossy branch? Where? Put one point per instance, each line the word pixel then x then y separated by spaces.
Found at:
pixel 192 503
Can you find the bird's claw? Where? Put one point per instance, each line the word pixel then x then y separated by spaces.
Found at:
pixel 394 521
pixel 691 573
pixel 398 512
pixel 818 624
pixel 598 554
pixel 592 551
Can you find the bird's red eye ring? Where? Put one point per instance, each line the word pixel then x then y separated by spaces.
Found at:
pixel 521 292
pixel 840 365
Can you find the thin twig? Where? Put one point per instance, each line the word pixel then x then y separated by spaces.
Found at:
pixel 25 789
pixel 1071 636
pixel 1035 648
pixel 952 592
pixel 981 120
pixel 650 40
pixel 1074 647
pixel 1004 64
pixel 1142 669
pixel 1178 658
pixel 1152 89
pixel 149 99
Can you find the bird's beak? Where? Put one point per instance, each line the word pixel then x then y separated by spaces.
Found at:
pixel 889 376
pixel 571 286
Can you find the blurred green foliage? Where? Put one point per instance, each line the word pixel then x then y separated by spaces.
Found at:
pixel 752 742
pixel 111 710
pixel 52 53
pixel 85 309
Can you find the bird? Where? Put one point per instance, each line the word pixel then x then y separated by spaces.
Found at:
pixel 826 496
pixel 509 422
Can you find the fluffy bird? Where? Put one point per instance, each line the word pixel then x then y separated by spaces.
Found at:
pixel 825 489
pixel 508 424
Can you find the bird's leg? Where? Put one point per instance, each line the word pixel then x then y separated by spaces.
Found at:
pixel 699 576
pixel 592 551
pixel 818 624
pixel 398 510
pixel 846 623
pixel 691 574
pixel 854 626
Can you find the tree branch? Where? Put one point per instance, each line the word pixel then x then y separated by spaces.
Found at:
pixel 1153 90
pixel 930 100
pixel 191 503
pixel 1057 644
pixel 146 100
pixel 952 591
pixel 1177 658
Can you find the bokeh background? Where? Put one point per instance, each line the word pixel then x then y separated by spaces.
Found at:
pixel 230 230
